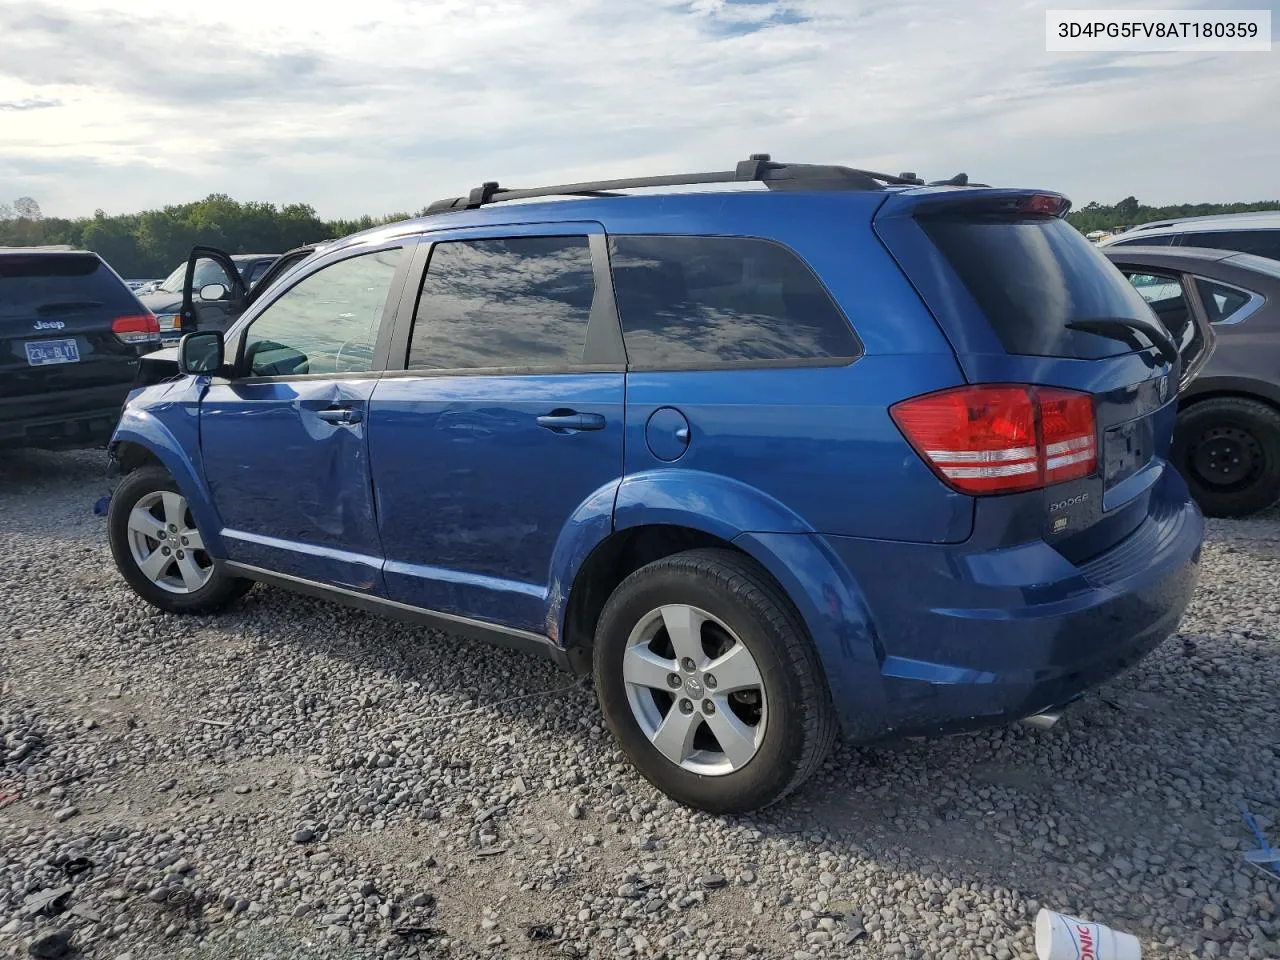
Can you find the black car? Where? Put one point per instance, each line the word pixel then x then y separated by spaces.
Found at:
pixel 1227 442
pixel 71 333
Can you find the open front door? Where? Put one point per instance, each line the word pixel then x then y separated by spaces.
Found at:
pixel 207 268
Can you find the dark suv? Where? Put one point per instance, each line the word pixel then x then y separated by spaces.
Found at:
pixel 852 452
pixel 71 332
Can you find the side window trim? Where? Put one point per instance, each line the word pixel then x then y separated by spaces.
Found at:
pixel 1240 314
pixel 382 341
pixel 603 352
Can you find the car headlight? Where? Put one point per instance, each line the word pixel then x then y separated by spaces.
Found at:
pixel 169 322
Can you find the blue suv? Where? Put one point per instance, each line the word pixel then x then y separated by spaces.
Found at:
pixel 826 450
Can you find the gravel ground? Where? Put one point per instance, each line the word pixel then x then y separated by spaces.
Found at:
pixel 293 779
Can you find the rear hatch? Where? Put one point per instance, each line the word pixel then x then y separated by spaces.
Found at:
pixel 68 327
pixel 1025 299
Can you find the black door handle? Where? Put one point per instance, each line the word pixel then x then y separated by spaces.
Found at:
pixel 563 421
pixel 343 415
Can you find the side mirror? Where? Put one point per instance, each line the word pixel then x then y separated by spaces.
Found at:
pixel 213 291
pixel 201 352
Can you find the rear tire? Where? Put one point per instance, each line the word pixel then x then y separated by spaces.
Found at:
pixel 149 525
pixel 1228 449
pixel 741 741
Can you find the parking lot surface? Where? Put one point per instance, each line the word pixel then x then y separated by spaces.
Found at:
pixel 293 779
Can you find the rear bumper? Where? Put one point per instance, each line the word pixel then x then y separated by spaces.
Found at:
pixel 65 418
pixel 971 639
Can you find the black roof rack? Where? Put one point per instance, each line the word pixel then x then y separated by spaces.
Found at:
pixel 759 168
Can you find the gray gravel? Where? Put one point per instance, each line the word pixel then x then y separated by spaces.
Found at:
pixel 294 779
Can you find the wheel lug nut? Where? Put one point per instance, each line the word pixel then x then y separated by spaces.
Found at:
pixel 184 541
pixel 173 527
pixel 687 665
pixel 709 680
pixel 674 681
pixel 686 706
pixel 181 555
pixel 708 706
pixel 165 551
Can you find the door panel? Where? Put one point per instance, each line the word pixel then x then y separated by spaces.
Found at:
pixel 507 424
pixel 291 479
pixel 284 443
pixel 207 265
pixel 472 493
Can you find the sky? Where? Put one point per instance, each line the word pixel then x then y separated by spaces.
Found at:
pixel 373 106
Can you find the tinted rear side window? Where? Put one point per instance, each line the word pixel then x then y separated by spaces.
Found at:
pixel 1263 243
pixel 520 302
pixel 1160 240
pixel 1220 301
pixel 697 302
pixel 51 285
pixel 1031 278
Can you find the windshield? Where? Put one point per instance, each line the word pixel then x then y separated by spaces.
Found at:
pixel 207 271
pixel 173 282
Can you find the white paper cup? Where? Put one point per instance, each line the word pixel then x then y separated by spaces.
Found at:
pixel 1060 937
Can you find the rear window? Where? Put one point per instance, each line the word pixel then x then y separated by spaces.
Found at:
pixel 1031 278
pixel 698 302
pixel 50 285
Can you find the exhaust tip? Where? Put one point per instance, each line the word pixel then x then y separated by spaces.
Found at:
pixel 1043 721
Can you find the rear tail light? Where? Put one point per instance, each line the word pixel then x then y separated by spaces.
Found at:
pixel 1068 433
pixel 136 328
pixel 1002 438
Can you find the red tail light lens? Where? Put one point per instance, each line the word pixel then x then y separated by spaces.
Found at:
pixel 1001 439
pixel 136 328
pixel 1069 434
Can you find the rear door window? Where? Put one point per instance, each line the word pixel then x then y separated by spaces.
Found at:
pixel 1169 298
pixel 40 286
pixel 699 302
pixel 1263 243
pixel 1032 278
pixel 522 302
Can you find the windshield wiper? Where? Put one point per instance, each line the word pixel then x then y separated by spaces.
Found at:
pixel 1123 328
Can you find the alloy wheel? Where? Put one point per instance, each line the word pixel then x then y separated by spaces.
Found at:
pixel 695 690
pixel 166 545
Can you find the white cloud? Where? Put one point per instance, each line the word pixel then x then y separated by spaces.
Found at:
pixel 379 105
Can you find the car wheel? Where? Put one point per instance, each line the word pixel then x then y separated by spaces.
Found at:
pixel 710 683
pixel 159 550
pixel 1228 449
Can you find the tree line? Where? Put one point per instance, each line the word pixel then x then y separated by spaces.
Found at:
pixel 1129 213
pixel 152 243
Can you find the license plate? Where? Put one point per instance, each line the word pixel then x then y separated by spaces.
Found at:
pixel 43 352
pixel 1128 448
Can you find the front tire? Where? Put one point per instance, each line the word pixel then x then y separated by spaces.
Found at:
pixel 160 552
pixel 708 680
pixel 1228 449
